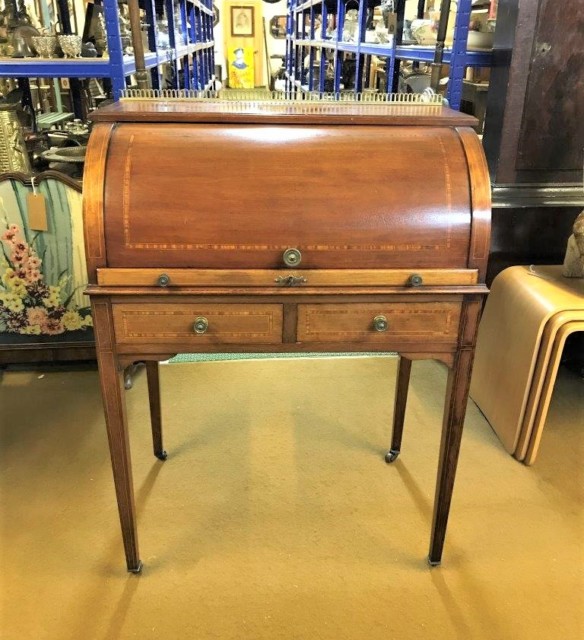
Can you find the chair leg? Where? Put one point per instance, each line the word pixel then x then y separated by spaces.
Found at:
pixel 155 412
pixel 454 412
pixel 399 412
pixel 130 373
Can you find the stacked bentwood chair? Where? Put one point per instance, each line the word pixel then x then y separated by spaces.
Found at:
pixel 528 316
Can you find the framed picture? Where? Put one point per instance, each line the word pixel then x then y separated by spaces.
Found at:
pixel 241 61
pixel 242 21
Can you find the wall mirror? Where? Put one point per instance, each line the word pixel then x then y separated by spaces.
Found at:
pixel 278 27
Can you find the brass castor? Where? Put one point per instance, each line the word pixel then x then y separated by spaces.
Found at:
pixel 391 455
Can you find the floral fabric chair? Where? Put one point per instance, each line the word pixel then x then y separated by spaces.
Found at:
pixel 42 273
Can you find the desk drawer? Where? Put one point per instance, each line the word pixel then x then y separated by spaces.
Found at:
pixel 378 323
pixel 198 323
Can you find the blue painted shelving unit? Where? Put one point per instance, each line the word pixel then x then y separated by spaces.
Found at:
pixel 191 43
pixel 305 37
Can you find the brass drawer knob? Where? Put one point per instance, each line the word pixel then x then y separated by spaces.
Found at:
pixel 163 280
pixel 200 325
pixel 292 257
pixel 416 280
pixel 380 323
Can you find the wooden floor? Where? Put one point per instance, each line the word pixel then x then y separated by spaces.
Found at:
pixel 275 515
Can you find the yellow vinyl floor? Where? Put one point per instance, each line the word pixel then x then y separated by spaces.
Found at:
pixel 275 516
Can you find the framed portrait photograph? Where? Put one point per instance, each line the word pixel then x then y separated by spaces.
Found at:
pixel 242 21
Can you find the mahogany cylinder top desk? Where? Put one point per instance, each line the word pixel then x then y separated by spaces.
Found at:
pixel 285 227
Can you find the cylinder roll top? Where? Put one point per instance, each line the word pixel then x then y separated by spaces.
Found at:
pixel 190 192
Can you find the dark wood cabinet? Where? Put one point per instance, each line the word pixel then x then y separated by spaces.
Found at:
pixel 534 130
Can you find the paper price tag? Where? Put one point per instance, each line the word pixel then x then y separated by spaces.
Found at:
pixel 391 23
pixel 37 212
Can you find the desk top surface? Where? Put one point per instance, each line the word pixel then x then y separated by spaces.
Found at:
pixel 283 112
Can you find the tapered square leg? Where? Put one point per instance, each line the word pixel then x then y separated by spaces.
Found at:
pixel 454 413
pixel 399 411
pixel 111 377
pixel 112 388
pixel 152 373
